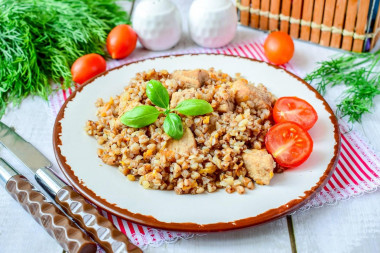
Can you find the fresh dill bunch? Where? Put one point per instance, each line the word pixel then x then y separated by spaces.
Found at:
pixel 357 71
pixel 39 41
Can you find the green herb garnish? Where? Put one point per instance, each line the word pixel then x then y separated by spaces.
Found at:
pixel 39 40
pixel 157 93
pixel 140 116
pixel 145 115
pixel 193 107
pixel 357 72
pixel 173 126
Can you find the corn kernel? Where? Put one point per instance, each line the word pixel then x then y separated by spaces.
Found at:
pixel 258 181
pixel 123 170
pixel 148 153
pixel 131 177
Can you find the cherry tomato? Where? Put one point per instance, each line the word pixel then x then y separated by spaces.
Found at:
pixel 289 144
pixel 121 41
pixel 295 110
pixel 279 47
pixel 87 66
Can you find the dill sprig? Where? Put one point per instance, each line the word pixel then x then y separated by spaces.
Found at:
pixel 39 40
pixel 358 72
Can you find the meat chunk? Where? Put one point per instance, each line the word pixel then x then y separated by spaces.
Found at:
pixel 126 105
pixel 183 145
pixel 226 96
pixel 241 89
pixel 191 93
pixel 191 78
pixel 259 95
pixel 264 94
pixel 259 165
pixel 226 106
pixel 181 95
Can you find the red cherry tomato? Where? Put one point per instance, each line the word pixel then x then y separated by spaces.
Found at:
pixel 289 144
pixel 121 41
pixel 295 110
pixel 279 47
pixel 87 66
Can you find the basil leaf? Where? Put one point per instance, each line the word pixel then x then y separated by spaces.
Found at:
pixel 173 126
pixel 140 116
pixel 194 107
pixel 157 93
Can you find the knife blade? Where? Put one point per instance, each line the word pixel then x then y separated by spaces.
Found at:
pixel 99 227
pixel 57 224
pixel 25 152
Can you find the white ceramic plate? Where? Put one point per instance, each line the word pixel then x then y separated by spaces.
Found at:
pixel 106 187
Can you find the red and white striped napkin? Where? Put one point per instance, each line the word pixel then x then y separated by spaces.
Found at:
pixel 357 172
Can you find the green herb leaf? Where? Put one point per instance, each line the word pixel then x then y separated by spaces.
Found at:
pixel 39 40
pixel 140 116
pixel 194 107
pixel 173 126
pixel 357 71
pixel 157 93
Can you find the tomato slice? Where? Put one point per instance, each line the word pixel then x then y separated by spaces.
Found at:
pixel 295 110
pixel 289 144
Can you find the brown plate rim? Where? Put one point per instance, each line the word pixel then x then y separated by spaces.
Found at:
pixel 267 216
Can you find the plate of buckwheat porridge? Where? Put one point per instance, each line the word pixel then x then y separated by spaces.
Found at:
pixel 198 142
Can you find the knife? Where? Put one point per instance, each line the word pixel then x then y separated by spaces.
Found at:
pixel 57 224
pixel 99 227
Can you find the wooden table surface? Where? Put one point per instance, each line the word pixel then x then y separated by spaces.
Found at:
pixel 351 225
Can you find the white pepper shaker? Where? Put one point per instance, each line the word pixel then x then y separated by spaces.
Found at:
pixel 212 23
pixel 157 23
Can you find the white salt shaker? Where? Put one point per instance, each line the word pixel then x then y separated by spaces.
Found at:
pixel 212 23
pixel 157 24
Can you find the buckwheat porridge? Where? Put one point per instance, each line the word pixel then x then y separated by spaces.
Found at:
pixel 221 149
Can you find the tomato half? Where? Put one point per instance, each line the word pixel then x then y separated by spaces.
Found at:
pixel 289 144
pixel 121 41
pixel 296 110
pixel 279 47
pixel 87 66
